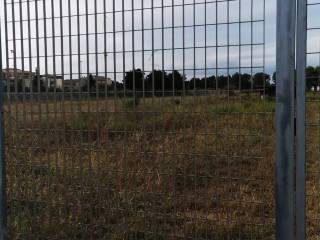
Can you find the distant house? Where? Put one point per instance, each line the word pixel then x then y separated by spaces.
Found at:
pixel 52 81
pixel 17 76
pixel 315 88
pixel 76 84
pixel 25 78
pixel 73 85
pixel 103 81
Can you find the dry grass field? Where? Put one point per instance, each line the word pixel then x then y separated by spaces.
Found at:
pixel 156 168
pixel 313 166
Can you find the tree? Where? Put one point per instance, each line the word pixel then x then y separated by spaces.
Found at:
pixel 312 77
pixel 119 86
pixel 90 84
pixel 240 81
pixel 211 82
pixel 37 82
pixel 223 81
pixel 174 79
pixel 245 81
pixel 20 85
pixel 261 80
pixel 134 79
pixel 196 83
pixel 235 81
pixel 156 78
pixel 274 77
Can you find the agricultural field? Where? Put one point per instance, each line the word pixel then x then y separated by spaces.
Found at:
pixel 312 165
pixel 196 167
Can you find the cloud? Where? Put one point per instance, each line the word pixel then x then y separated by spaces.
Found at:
pixel 196 42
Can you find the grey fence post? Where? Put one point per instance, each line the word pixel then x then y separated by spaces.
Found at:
pixel 300 114
pixel 286 19
pixel 2 160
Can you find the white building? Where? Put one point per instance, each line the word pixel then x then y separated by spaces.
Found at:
pixel 76 84
pixel 52 81
pixel 13 76
pixel 25 78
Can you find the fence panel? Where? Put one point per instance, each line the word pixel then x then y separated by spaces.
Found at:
pixel 286 18
pixel 312 120
pixel 300 198
pixel 138 119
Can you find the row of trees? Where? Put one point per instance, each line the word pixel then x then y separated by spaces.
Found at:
pixel 312 77
pixel 161 80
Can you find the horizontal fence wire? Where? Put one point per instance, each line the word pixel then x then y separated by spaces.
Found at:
pixel 312 120
pixel 138 119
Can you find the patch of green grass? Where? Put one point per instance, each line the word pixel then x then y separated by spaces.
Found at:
pixel 257 106
pixel 131 103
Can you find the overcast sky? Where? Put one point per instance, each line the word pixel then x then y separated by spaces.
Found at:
pixel 246 48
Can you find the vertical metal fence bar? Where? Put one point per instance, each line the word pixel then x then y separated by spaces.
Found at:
pixel 13 89
pixel 251 45
pixel 133 56
pixel 3 199
pixel 143 48
pixel 3 215
pixel 152 48
pixel 71 88
pixel 7 63
pixel 123 49
pixel 162 46
pixel 62 129
pixel 105 73
pixel 79 90
pixel 105 54
pixel 22 61
pixel 24 109
pixel 301 119
pixel 286 11
pixel 114 53
pixel 216 47
pixel 87 58
pixel 173 47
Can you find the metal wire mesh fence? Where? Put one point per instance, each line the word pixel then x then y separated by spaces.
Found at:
pixel 138 119
pixel 312 120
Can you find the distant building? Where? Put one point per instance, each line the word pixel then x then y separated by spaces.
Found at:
pixel 73 85
pixel 53 81
pixel 17 76
pixel 76 84
pixel 315 88
pixel 103 81
pixel 25 78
